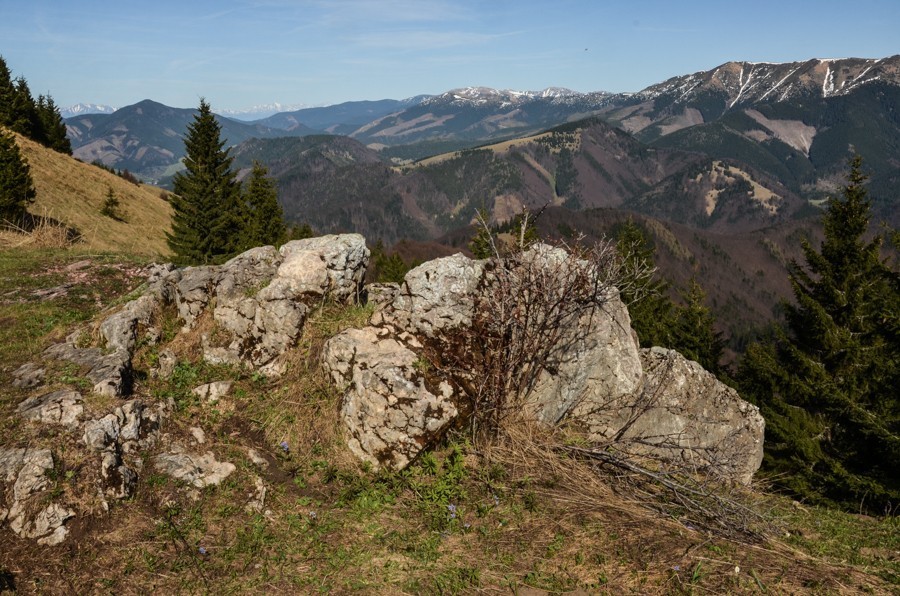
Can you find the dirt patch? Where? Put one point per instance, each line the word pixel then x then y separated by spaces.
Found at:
pixel 791 132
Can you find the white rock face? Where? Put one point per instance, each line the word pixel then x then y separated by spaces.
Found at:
pixel 598 362
pixel 330 266
pixel 390 413
pixel 684 414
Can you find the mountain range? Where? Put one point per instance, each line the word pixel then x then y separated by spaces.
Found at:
pixel 723 168
pixel 795 122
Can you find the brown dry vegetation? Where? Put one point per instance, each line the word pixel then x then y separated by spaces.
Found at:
pixel 72 192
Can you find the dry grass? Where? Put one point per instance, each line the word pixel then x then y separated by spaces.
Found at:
pixel 46 234
pixel 73 192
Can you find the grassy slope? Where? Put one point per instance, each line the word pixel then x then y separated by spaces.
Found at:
pixel 331 526
pixel 73 192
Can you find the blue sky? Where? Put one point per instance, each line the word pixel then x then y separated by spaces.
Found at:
pixel 240 53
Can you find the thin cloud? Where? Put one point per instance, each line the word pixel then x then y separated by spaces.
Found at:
pixel 424 40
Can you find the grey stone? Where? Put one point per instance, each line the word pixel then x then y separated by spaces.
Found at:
pixel 435 297
pixel 597 362
pixel 192 292
pixel 119 480
pixel 331 266
pixel 257 458
pixel 120 329
pixel 389 412
pixel 28 375
pixel 48 523
pixel 197 470
pixel 102 434
pixel 684 414
pixel 57 407
pixel 212 392
pixel 381 294
pixel 167 362
pixel 111 373
pixel 26 469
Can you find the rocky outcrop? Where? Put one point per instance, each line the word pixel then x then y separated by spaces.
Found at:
pixel 650 403
pixel 263 296
pixel 435 297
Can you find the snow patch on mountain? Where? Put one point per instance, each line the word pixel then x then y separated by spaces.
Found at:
pixel 81 109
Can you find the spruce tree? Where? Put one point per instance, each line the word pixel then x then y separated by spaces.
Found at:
pixel 694 333
pixel 16 185
pixel 265 219
pixel 7 92
pixel 651 309
pixel 53 128
pixel 828 385
pixel 208 219
pixel 23 117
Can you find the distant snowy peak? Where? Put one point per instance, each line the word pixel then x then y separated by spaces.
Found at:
pixel 81 109
pixel 480 96
pixel 261 111
pixel 750 82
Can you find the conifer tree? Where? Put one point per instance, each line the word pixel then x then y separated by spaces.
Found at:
pixel 694 334
pixel 23 117
pixel 208 218
pixel 16 185
pixel 651 310
pixel 53 128
pixel 828 385
pixel 658 321
pixel 7 92
pixel 265 219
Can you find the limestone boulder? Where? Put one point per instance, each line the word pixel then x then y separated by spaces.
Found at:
pixel 330 266
pixel 682 414
pixel 390 411
pixel 597 362
pixel 436 297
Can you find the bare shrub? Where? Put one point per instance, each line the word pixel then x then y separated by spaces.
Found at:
pixel 535 307
pixel 532 308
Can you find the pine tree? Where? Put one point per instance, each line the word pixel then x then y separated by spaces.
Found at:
pixel 16 185
pixel 828 385
pixel 694 334
pixel 53 128
pixel 110 206
pixel 651 310
pixel 23 116
pixel 208 219
pixel 265 219
pixel 7 92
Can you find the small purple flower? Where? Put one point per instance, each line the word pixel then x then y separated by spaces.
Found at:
pixel 284 446
pixel 202 551
pixel 677 567
pixel 452 509
pixel 313 516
